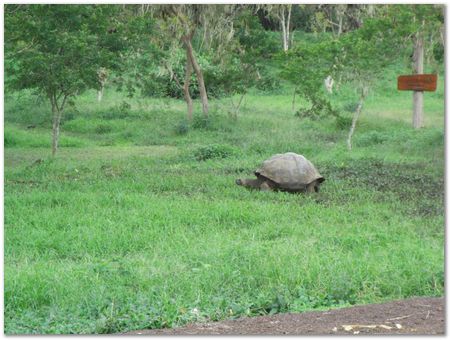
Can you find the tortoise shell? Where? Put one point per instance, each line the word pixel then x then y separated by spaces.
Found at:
pixel 289 171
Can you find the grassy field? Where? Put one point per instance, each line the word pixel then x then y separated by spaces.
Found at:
pixel 137 222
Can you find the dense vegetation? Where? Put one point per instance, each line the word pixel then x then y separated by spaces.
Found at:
pixel 137 223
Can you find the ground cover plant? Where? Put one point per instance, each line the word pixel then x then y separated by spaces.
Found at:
pixel 137 221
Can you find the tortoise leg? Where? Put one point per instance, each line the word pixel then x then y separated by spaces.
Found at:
pixel 265 186
pixel 312 187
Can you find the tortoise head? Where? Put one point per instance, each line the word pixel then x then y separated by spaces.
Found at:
pixel 318 182
pixel 239 181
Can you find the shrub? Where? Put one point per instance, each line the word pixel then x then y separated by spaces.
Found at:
pixel 320 107
pixel 182 127
pixel 268 83
pixel 214 151
pixel 343 122
pixel 103 128
pixel 350 107
pixel 201 123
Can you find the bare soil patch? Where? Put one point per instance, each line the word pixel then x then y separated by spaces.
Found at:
pixel 416 316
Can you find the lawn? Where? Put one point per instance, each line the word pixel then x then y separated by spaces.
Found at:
pixel 137 222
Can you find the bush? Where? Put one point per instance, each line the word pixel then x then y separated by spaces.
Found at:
pixel 268 83
pixel 103 128
pixel 201 123
pixel 182 128
pixel 320 107
pixel 343 122
pixel 350 107
pixel 214 151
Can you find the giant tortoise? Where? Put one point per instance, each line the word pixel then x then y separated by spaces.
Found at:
pixel 285 172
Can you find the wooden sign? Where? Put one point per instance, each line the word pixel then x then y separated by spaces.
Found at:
pixel 418 82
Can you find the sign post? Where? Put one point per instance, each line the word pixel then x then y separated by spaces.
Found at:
pixel 417 83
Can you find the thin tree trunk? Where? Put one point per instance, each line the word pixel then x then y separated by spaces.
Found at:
pixel 293 99
pixel 102 75
pixel 187 80
pixel 55 126
pixel 238 106
pixel 288 23
pixel 356 116
pixel 100 94
pixel 199 74
pixel 283 28
pixel 340 13
pixel 418 95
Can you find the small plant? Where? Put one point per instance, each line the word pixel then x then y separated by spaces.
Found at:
pixel 214 151
pixel 201 123
pixel 320 107
pixel 343 122
pixel 124 106
pixel 182 128
pixel 103 128
pixel 350 107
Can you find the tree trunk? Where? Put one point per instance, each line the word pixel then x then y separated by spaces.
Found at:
pixel 328 81
pixel 100 94
pixel 187 80
pixel 284 27
pixel 57 110
pixel 238 106
pixel 102 75
pixel 340 25
pixel 288 23
pixel 293 99
pixel 199 74
pixel 418 95
pixel 55 128
pixel 356 116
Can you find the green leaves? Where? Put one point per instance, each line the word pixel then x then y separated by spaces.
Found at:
pixel 59 48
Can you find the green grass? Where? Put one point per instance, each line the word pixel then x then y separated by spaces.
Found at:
pixel 139 224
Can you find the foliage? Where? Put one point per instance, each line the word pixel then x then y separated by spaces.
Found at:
pixel 182 127
pixel 59 48
pixel 306 66
pixel 214 151
pixel 343 122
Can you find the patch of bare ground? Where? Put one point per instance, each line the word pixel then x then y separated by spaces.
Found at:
pixel 415 316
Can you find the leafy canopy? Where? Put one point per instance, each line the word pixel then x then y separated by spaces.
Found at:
pixel 58 49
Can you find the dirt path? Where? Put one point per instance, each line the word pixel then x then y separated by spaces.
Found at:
pixel 416 316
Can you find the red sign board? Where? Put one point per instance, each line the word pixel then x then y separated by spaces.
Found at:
pixel 418 82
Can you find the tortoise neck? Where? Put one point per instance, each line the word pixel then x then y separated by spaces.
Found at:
pixel 252 183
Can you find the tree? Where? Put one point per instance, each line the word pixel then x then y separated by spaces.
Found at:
pixel 282 14
pixel 102 76
pixel 182 23
pixel 305 67
pixel 418 24
pixel 57 51
pixel 357 57
pixel 365 54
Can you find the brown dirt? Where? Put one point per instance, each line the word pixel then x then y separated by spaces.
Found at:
pixel 418 316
